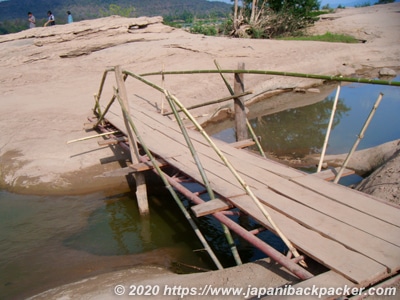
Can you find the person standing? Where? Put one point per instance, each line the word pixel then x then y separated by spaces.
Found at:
pixel 51 20
pixel 32 20
pixel 70 19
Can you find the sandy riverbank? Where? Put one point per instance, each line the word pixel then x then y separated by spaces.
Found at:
pixel 49 75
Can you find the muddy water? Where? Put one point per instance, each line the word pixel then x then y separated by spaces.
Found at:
pixel 48 241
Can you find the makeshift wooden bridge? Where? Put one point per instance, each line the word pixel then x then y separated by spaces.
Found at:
pixel 354 235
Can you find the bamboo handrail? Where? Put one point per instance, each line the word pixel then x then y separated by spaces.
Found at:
pixel 213 102
pixel 241 181
pixel 253 135
pixel 227 164
pixel 168 186
pixel 278 73
pixel 202 172
pixel 98 95
pixel 92 137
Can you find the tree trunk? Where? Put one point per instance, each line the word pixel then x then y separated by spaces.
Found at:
pixel 235 15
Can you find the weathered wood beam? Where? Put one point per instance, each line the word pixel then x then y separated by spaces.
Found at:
pixel 242 144
pixel 210 207
pixel 134 168
pixel 112 141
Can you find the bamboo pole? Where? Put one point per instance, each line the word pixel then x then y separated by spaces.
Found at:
pixel 102 115
pixel 213 102
pixel 277 73
pixel 359 138
pixel 98 95
pixel 92 137
pixel 328 131
pixel 169 187
pixel 227 163
pixel 141 189
pixel 240 180
pixel 255 139
pixel 202 173
pixel 253 135
pixel 248 236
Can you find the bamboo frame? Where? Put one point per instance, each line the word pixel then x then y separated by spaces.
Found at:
pixel 213 102
pixel 169 182
pixel 202 172
pixel 253 135
pixel 288 263
pixel 92 137
pixel 227 164
pixel 277 73
pixel 168 186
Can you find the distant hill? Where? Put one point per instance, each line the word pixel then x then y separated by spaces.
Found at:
pixel 91 9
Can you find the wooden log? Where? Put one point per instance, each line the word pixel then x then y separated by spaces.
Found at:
pixel 210 207
pixel 240 110
pixel 141 190
pixel 112 141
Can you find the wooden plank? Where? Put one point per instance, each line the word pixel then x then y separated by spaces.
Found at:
pixel 330 174
pixel 360 241
pixel 309 198
pixel 145 166
pixel 210 207
pixel 352 198
pixel 112 141
pixel 268 165
pixel 325 282
pixel 242 144
pixel 333 209
pixel 364 269
pixel 313 200
pixel 352 265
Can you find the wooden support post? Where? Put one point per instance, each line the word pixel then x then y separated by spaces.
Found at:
pixel 141 190
pixel 240 110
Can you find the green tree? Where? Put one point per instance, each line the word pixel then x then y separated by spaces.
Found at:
pixel 267 19
pixel 114 9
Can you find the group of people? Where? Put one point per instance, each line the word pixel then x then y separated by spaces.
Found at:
pixel 50 19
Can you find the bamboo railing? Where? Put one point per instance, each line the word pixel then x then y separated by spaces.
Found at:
pixel 176 106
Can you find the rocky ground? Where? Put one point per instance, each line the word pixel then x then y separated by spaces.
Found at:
pixel 48 77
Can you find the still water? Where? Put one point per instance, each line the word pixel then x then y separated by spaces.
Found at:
pixel 48 241
pixel 300 131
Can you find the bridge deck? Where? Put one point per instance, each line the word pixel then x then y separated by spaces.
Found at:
pixel 351 233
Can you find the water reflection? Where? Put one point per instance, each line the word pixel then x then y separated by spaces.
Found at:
pixel 299 131
pixel 48 241
pixel 118 229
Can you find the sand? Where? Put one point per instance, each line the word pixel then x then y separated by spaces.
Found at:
pixel 48 77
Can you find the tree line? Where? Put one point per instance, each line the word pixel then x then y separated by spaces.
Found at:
pixel 13 13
